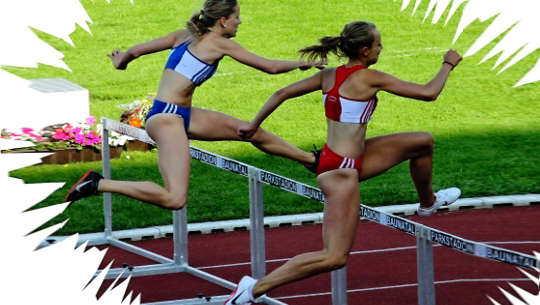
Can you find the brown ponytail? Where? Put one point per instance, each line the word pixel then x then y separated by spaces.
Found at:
pixel 201 22
pixel 315 52
pixel 353 37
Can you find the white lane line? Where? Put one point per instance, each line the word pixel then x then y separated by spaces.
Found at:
pixel 403 286
pixel 369 252
pixel 286 259
pixel 511 242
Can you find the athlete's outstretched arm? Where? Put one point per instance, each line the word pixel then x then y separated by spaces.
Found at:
pixel 121 59
pixel 271 66
pixel 300 88
pixel 427 92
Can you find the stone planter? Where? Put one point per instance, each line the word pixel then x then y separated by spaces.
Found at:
pixel 84 155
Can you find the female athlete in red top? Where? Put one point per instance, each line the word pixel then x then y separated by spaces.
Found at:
pixel 348 157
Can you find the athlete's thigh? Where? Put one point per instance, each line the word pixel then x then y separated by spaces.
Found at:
pixel 384 152
pixel 168 132
pixel 340 188
pixel 208 125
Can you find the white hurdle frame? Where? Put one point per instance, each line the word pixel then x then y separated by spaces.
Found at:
pixel 180 263
pixel 425 236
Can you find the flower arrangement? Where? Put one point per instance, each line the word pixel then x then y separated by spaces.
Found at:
pixel 81 135
pixel 64 136
pixel 135 113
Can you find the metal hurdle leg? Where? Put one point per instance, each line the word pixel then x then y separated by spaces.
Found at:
pixel 180 237
pixel 106 165
pixel 339 286
pixel 256 233
pixel 425 273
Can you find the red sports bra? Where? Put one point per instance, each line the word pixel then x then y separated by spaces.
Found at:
pixel 342 109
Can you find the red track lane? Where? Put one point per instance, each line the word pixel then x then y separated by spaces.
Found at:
pixel 386 276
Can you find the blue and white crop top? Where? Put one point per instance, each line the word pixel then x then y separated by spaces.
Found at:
pixel 185 63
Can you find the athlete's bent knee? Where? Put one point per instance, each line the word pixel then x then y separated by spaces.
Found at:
pixel 428 138
pixel 335 261
pixel 426 141
pixel 175 202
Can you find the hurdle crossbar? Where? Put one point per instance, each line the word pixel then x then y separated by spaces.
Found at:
pixel 425 235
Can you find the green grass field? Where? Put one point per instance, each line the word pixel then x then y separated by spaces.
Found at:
pixel 487 132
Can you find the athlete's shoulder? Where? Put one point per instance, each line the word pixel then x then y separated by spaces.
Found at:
pixel 369 73
pixel 225 43
pixel 374 72
pixel 377 78
pixel 181 36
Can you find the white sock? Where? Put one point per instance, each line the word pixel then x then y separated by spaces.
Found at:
pixel 250 291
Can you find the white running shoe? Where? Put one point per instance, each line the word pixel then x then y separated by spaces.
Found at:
pixel 442 198
pixel 241 295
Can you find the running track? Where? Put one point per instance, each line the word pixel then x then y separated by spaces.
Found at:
pixel 381 268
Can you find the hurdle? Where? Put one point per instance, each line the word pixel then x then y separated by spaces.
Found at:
pixel 180 263
pixel 425 236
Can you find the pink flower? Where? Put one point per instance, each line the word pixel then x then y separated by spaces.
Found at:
pixel 60 136
pixel 90 120
pixel 27 130
pixel 35 136
pixel 92 139
pixel 77 130
pixel 79 139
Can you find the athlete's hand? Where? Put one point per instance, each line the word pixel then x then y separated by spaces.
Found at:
pixel 117 58
pixel 308 65
pixel 452 57
pixel 247 131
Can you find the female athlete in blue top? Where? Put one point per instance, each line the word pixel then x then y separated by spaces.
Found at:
pixel 172 120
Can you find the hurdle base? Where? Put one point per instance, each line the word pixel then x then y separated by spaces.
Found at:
pixel 215 300
pixel 157 269
pixel 168 266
